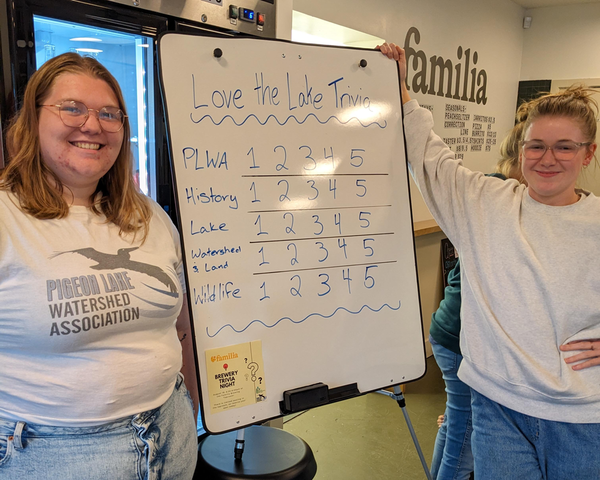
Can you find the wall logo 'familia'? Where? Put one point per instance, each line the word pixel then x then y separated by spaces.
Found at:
pixel 445 78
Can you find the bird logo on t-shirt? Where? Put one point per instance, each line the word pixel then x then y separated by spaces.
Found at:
pixel 122 259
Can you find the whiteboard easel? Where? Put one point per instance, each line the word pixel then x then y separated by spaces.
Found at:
pixel 294 208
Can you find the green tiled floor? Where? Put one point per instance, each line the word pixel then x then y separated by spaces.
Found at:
pixel 366 438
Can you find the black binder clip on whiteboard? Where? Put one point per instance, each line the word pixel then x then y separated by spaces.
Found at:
pixel 399 397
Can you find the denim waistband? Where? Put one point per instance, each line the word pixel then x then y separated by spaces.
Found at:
pixel 10 426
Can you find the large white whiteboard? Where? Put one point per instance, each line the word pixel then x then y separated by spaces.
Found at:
pixel 296 225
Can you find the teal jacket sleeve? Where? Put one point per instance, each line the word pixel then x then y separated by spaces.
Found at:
pixel 445 322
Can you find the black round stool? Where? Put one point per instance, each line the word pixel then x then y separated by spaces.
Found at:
pixel 269 453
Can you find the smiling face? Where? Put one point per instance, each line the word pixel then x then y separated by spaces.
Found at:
pixel 552 181
pixel 79 157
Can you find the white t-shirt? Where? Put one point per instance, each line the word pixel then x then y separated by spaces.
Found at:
pixel 87 319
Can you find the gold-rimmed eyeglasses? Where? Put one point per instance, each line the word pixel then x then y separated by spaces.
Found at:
pixel 563 150
pixel 75 114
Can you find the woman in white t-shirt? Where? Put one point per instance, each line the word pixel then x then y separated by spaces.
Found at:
pixel 91 295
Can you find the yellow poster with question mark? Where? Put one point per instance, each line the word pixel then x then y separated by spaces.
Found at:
pixel 235 376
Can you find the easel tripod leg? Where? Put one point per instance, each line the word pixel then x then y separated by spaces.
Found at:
pixel 399 397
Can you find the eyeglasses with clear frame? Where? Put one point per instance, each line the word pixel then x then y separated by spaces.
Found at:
pixel 75 114
pixel 563 150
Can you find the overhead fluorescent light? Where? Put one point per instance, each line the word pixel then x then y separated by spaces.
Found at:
pixel 88 50
pixel 85 39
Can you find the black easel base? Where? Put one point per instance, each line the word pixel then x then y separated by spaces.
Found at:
pixel 269 454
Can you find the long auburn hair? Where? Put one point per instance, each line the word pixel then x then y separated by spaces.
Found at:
pixel 38 189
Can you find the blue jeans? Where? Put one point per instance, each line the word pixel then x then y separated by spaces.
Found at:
pixel 508 444
pixel 452 457
pixel 158 444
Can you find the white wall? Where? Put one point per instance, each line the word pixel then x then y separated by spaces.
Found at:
pixel 284 19
pixel 493 28
pixel 562 43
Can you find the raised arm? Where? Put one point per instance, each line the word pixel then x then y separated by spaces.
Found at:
pixel 394 52
pixel 455 196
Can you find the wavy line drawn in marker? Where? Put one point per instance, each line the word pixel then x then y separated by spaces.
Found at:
pixel 374 310
pixel 333 117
